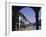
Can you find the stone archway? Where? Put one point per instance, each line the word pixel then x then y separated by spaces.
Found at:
pixel 16 9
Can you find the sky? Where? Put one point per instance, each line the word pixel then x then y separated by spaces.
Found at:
pixel 29 14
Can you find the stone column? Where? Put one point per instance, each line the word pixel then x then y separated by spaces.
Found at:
pixel 17 20
pixel 37 17
pixel 36 9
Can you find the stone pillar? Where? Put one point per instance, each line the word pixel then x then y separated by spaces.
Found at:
pixel 17 20
pixel 37 17
pixel 36 9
